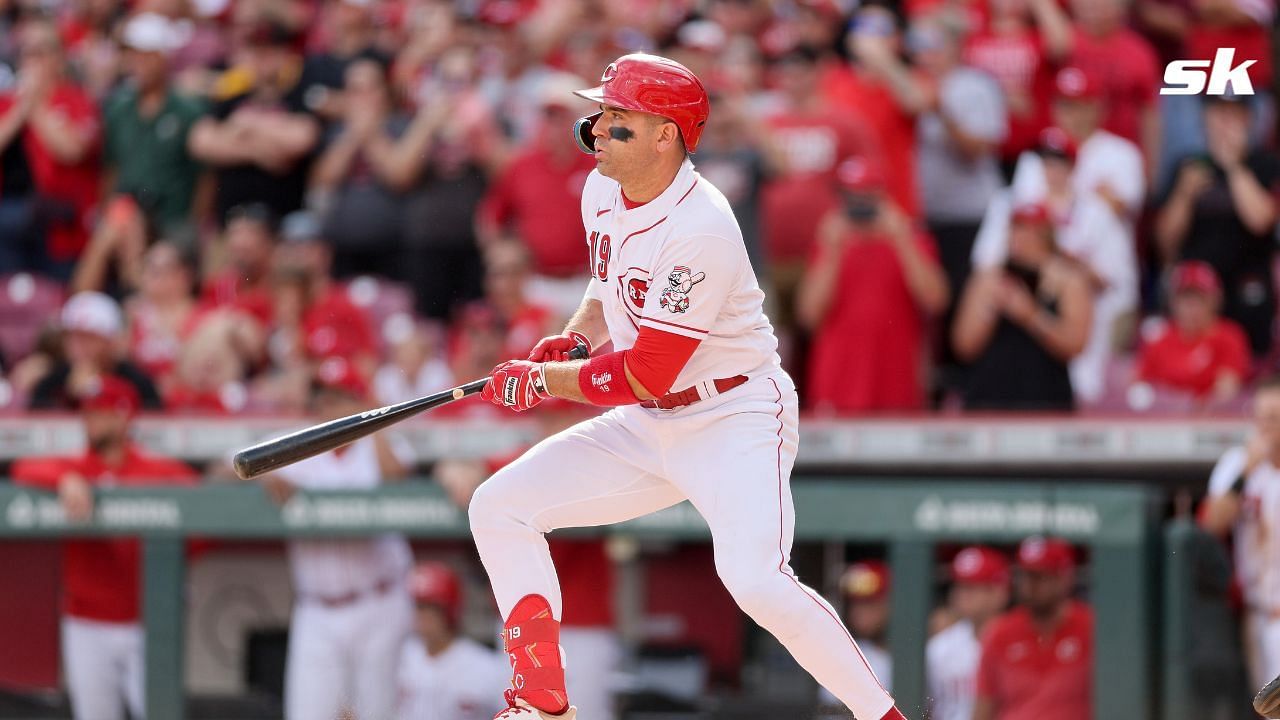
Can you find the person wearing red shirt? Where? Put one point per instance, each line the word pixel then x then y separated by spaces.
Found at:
pixel 245 284
pixel 102 640
pixel 880 89
pixel 1196 351
pixel 1126 67
pixel 1012 49
pixel 811 137
pixel 1037 659
pixel 872 283
pixel 537 197
pixel 50 136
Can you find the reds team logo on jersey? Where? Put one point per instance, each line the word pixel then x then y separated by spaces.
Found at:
pixel 681 280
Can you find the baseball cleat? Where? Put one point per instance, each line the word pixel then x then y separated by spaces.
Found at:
pixel 521 710
pixel 1267 701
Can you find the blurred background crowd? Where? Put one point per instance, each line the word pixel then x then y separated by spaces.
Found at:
pixel 958 204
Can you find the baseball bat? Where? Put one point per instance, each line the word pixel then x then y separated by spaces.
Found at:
pixel 308 442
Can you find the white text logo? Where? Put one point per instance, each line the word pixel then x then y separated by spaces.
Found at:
pixel 1189 77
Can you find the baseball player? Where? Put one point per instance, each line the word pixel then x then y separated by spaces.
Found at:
pixel 352 611
pixel 442 675
pixel 102 640
pixel 1244 498
pixel 980 591
pixel 699 406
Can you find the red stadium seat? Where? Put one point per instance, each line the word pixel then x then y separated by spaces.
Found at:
pixel 27 304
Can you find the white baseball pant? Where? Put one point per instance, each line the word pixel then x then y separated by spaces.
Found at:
pixel 731 457
pixel 103 666
pixel 346 657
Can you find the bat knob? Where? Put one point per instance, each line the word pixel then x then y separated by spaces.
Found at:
pixel 458 394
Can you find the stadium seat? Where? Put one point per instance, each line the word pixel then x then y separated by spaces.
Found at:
pixel 27 304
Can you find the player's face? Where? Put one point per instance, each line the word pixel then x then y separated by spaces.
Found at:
pixel 431 623
pixel 628 142
pixel 978 601
pixel 1266 414
pixel 1042 592
pixel 105 428
pixel 1078 117
pixel 333 404
pixel 869 618
pixel 1193 311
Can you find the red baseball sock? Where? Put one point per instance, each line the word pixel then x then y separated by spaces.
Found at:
pixel 893 714
pixel 532 638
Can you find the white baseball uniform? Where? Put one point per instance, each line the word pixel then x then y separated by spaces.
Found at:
pixel 678 264
pixel 352 611
pixel 1257 557
pixel 465 682
pixel 951 670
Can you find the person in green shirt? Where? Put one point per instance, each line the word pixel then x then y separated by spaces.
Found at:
pixel 147 123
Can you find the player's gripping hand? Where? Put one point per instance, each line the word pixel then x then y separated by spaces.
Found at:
pixel 516 384
pixel 556 348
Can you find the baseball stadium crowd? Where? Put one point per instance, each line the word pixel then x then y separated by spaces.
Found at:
pixel 951 203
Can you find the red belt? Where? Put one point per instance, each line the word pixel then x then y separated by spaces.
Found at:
pixel 689 396
pixel 337 601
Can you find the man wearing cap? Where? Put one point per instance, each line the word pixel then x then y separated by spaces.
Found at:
pixel 92 346
pixel 351 610
pixel 873 282
pixel 535 198
pixel 1222 210
pixel 699 407
pixel 867 587
pixel 1195 350
pixel 147 124
pixel 444 675
pixel 979 592
pixel 1037 659
pixel 1243 497
pixel 102 639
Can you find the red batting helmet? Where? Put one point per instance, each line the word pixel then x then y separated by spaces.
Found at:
pixel 651 84
pixel 434 583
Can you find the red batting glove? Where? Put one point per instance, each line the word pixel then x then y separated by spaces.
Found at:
pixel 556 348
pixel 516 384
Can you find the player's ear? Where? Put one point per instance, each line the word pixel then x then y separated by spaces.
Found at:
pixel 668 135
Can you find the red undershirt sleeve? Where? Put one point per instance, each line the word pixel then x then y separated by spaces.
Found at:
pixel 658 357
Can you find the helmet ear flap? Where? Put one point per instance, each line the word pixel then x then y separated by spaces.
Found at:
pixel 582 133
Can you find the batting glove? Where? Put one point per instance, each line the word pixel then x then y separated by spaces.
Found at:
pixel 556 348
pixel 516 384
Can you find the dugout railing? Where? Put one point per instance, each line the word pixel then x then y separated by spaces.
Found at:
pixel 1118 524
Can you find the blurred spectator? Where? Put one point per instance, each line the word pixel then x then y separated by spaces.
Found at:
pixel 809 138
pixel 866 587
pixel 1012 49
pixel 102 638
pixel 957 142
pixel 331 325
pixel 1242 503
pixel 1195 351
pixel 260 134
pixel 163 312
pixel 872 283
pixel 359 179
pixel 348 30
pixel 50 136
pixel 91 340
pixel 1020 323
pixel 415 365
pixel 730 156
pixel 537 199
pixel 352 611
pixel 451 148
pixel 147 126
pixel 1107 168
pixel 1197 30
pixel 505 293
pixel 1092 234
pixel 882 90
pixel 1222 210
pixel 88 30
pixel 1125 67
pixel 244 285
pixel 1037 659
pixel 979 593
pixel 443 675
